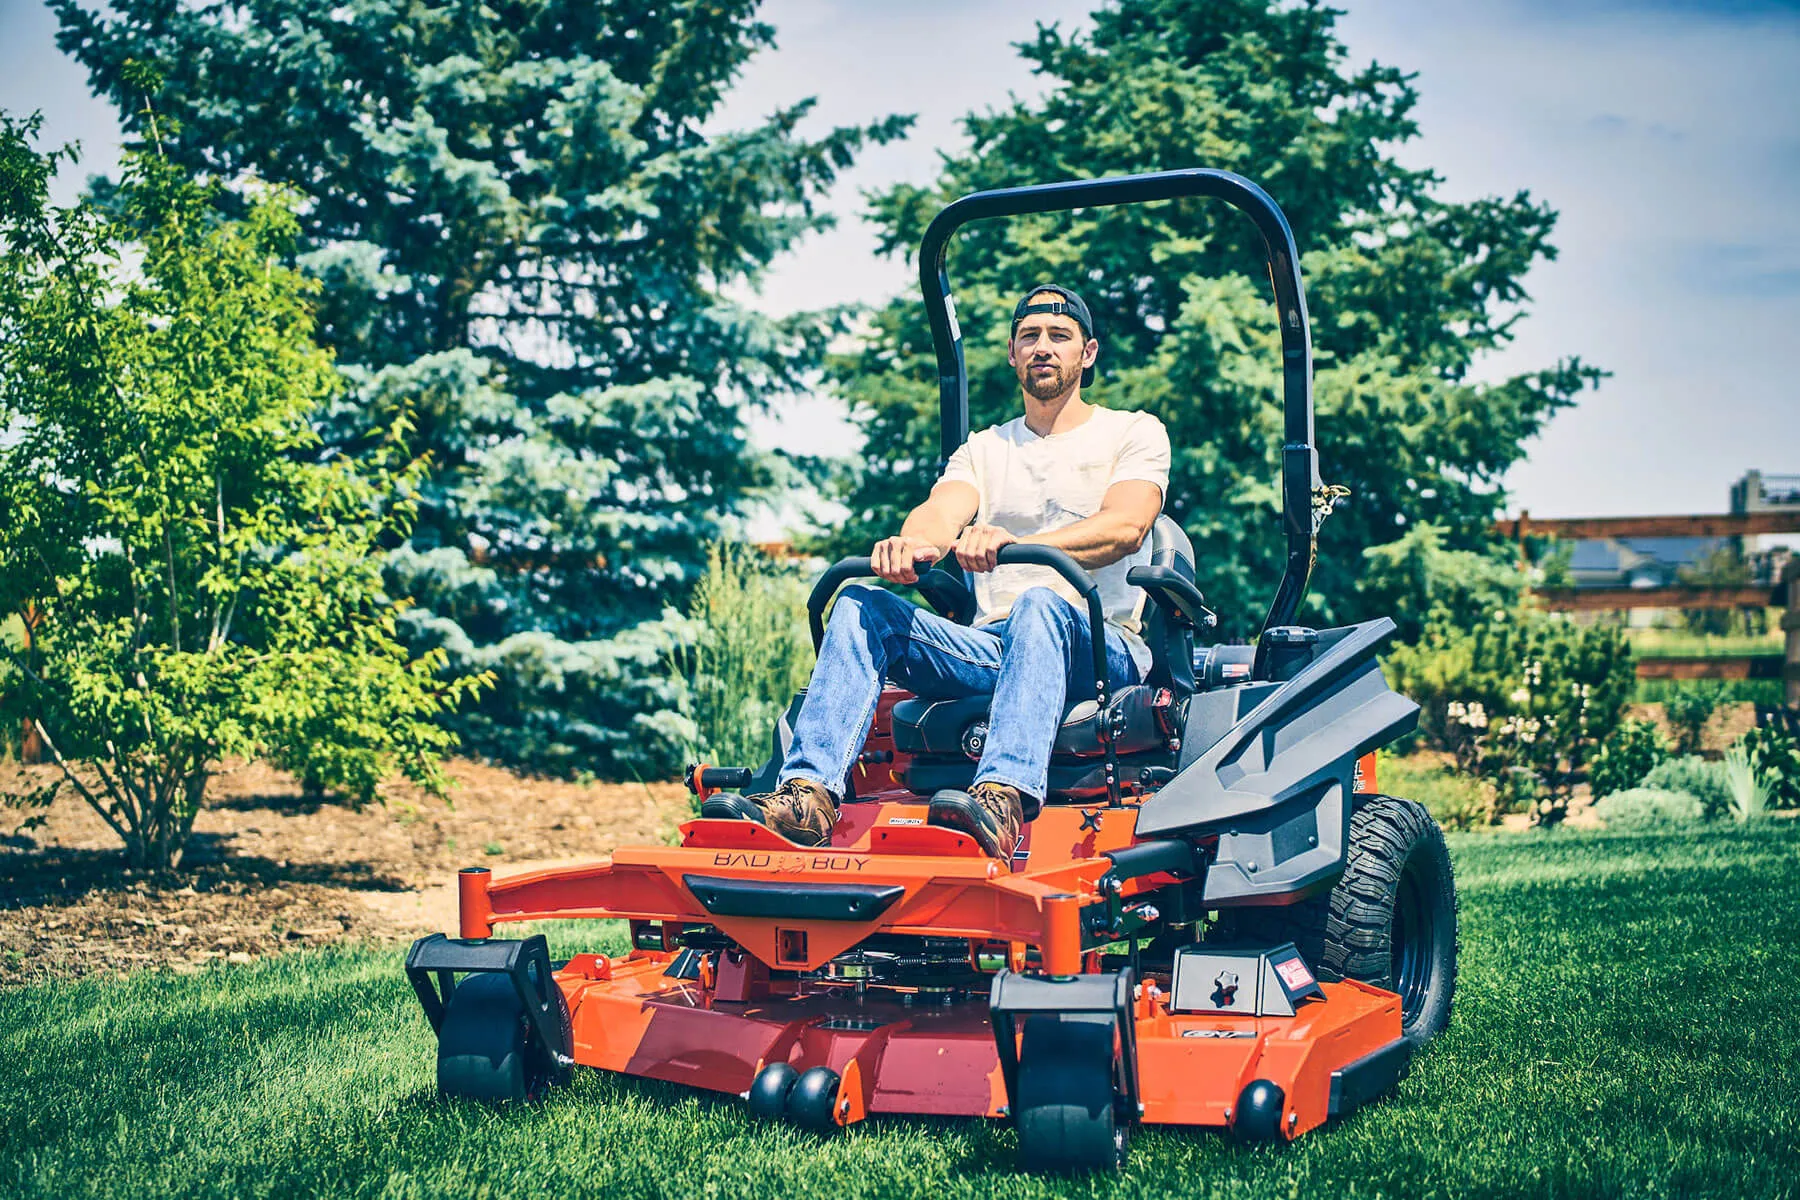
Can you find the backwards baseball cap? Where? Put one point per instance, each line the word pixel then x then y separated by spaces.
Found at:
pixel 1071 305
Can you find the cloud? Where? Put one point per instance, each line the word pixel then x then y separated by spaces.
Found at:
pixel 1667 136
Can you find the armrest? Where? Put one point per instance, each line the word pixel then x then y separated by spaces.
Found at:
pixel 1176 592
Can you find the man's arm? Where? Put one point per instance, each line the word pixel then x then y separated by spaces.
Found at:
pixel 1126 514
pixel 929 531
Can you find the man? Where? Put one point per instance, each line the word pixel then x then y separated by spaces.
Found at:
pixel 1068 474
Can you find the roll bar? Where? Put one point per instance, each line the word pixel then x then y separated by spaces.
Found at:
pixel 1299 457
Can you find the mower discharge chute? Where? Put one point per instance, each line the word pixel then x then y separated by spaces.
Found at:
pixel 1214 920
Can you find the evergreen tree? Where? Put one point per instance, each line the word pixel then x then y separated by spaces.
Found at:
pixel 528 242
pixel 1406 291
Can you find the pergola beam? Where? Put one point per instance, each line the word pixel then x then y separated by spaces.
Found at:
pixel 1615 599
pixel 1705 525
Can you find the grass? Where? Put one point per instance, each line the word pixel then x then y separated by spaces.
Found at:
pixel 1680 643
pixel 1767 692
pixel 1623 1028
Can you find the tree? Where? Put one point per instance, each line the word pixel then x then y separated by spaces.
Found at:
pixel 1406 291
pixel 201 589
pixel 529 242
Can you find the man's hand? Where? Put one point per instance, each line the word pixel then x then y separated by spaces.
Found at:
pixel 893 558
pixel 976 548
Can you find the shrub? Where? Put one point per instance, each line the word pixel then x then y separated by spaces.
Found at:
pixel 1688 708
pixel 1455 800
pixel 204 582
pixel 1703 780
pixel 1775 755
pixel 1749 787
pixel 1521 700
pixel 1626 757
pixel 1647 808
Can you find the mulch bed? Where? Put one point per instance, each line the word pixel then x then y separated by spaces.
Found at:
pixel 269 869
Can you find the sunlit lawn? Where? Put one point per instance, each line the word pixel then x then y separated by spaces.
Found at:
pixel 1625 1025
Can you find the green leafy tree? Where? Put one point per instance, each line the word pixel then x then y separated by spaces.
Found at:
pixel 1416 579
pixel 529 242
pixel 1406 291
pixel 201 589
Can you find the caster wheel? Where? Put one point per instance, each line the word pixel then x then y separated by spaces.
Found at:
pixel 1068 1115
pixel 770 1089
pixel 813 1099
pixel 1257 1115
pixel 488 1049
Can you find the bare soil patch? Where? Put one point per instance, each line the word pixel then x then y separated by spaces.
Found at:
pixel 270 869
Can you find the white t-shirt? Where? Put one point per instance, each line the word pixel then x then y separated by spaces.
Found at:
pixel 1031 484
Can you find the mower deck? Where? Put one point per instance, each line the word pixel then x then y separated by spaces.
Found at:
pixel 934 1054
pixel 771 991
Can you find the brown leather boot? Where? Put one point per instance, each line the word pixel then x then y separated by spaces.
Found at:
pixel 799 810
pixel 991 813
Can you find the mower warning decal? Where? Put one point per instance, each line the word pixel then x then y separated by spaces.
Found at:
pixel 1294 974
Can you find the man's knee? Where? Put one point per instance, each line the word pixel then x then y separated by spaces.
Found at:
pixel 1040 609
pixel 1042 604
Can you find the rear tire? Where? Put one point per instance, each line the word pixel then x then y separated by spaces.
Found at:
pixel 1068 1116
pixel 1390 919
pixel 488 1049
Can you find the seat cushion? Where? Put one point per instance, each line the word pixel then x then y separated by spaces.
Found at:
pixel 924 726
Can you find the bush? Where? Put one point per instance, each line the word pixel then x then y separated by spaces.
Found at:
pixel 1455 800
pixel 1647 808
pixel 1688 708
pixel 1521 700
pixel 1703 780
pixel 1775 755
pixel 1626 757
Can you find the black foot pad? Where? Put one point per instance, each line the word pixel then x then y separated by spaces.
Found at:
pixel 729 806
pixel 957 810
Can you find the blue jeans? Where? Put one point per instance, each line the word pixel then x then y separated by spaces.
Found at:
pixel 1029 663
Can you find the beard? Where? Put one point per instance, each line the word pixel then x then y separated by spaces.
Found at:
pixel 1047 385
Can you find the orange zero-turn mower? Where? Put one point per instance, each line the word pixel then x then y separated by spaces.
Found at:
pixel 1215 919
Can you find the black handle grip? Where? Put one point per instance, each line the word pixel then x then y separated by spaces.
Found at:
pixel 942 590
pixel 1176 592
pixel 718 779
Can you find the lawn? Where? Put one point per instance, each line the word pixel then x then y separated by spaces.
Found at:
pixel 1624 1026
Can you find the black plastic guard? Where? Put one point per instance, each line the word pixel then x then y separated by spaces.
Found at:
pixel 792 901
pixel 1275 787
pixel 1014 995
pixel 526 961
pixel 1369 1077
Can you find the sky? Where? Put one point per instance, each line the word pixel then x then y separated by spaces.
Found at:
pixel 1666 132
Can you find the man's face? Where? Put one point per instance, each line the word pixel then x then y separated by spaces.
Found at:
pixel 1048 352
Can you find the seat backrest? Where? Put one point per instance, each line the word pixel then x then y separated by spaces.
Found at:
pixel 1170 547
pixel 1171 643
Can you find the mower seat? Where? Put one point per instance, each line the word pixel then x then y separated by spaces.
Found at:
pixel 946 737
pixel 960 726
